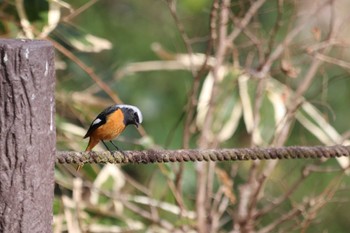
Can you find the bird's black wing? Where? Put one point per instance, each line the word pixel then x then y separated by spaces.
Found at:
pixel 100 119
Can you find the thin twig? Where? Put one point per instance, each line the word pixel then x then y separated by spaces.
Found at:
pixel 79 10
pixel 26 26
pixel 244 22
pixel 87 70
pixel 181 29
pixel 332 60
pixel 289 215
pixel 277 26
pixel 285 195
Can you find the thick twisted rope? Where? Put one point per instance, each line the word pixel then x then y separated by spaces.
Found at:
pixel 163 156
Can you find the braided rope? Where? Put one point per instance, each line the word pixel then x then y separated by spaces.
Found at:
pixel 163 156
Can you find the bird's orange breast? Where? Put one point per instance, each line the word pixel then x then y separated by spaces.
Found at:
pixel 112 128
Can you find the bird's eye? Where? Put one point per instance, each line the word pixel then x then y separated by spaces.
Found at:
pixel 136 117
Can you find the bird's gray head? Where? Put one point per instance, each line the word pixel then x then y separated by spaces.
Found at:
pixel 132 114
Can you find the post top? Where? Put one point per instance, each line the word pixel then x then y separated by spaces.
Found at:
pixel 24 43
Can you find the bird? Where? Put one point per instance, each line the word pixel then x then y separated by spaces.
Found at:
pixel 110 123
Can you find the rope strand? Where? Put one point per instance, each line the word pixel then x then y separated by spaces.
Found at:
pixel 164 156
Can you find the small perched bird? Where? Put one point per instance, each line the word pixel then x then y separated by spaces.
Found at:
pixel 111 122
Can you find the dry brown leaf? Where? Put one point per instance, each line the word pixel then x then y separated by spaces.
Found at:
pixel 316 32
pixel 289 69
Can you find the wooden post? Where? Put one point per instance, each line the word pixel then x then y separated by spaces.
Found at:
pixel 27 135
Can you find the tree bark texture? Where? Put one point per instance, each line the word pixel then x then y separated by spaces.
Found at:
pixel 27 135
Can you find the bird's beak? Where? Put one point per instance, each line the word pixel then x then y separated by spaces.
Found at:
pixel 137 125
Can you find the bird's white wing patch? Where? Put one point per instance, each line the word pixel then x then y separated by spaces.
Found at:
pixel 98 120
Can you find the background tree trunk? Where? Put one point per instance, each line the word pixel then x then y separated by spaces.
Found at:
pixel 27 135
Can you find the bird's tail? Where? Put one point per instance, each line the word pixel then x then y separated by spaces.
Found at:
pixel 92 143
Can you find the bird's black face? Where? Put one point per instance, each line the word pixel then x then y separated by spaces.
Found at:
pixel 132 116
pixel 136 120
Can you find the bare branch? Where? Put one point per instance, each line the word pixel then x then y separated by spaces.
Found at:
pixel 244 22
pixel 281 47
pixel 332 60
pixel 269 228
